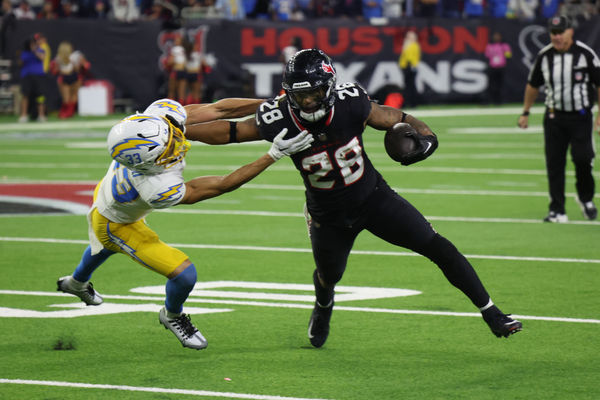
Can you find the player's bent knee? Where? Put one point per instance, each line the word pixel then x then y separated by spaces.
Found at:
pixel 330 281
pixel 187 278
pixel 327 280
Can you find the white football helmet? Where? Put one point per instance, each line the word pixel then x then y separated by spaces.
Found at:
pixel 169 109
pixel 147 144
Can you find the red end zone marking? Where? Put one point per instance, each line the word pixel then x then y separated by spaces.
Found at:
pixel 74 192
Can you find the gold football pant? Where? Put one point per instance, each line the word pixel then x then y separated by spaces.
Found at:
pixel 139 242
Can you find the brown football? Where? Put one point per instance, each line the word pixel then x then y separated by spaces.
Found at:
pixel 397 143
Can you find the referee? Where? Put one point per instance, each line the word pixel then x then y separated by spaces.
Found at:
pixel 570 72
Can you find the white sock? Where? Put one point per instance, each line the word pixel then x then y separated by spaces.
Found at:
pixel 171 315
pixel 488 305
pixel 75 284
pixel 328 305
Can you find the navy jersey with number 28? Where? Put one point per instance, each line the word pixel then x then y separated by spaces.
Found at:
pixel 337 173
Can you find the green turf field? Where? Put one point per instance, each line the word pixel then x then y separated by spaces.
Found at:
pixel 484 188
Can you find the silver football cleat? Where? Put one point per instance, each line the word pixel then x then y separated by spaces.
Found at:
pixel 183 328
pixel 84 290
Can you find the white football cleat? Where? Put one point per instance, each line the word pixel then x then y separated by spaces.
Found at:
pixel 183 328
pixel 556 217
pixel 588 209
pixel 84 290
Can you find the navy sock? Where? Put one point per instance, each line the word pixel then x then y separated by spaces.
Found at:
pixel 89 263
pixel 179 288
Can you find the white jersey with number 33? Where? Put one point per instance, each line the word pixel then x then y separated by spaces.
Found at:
pixel 126 196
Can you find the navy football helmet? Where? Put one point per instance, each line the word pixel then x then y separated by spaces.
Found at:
pixel 309 83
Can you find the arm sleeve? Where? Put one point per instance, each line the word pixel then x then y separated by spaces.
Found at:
pixel 362 106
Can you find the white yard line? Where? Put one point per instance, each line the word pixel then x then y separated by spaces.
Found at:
pixel 467 112
pixel 281 168
pixel 307 250
pixel 202 393
pixel 81 209
pixel 496 130
pixel 301 306
pixel 300 215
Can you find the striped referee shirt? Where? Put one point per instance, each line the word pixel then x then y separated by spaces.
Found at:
pixel 570 78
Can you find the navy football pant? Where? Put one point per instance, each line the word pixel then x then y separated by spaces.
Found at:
pixel 390 217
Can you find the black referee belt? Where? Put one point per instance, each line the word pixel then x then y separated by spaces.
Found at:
pixel 583 111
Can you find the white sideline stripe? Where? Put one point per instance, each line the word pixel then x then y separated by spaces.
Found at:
pixel 305 306
pixel 419 191
pixel 59 125
pixel 398 190
pixel 490 171
pixel 300 250
pixel 286 168
pixel 36 127
pixel 461 112
pixel 204 393
pixel 429 218
pixel 491 130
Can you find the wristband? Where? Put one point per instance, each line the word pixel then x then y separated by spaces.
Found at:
pixel 232 132
pixel 525 113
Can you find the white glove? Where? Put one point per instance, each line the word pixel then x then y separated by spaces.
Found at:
pixel 282 147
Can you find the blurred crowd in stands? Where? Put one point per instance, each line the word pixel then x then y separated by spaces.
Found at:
pixel 172 12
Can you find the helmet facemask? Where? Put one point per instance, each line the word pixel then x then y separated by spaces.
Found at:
pixel 313 103
pixel 176 148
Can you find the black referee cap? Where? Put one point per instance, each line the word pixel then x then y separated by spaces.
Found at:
pixel 558 24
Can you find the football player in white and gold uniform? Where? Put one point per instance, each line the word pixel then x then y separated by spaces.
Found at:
pixel 146 173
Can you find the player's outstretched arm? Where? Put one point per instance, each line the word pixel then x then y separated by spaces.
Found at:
pixel 223 132
pixel 205 187
pixel 222 109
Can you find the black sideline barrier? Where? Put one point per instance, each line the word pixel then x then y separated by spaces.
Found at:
pixel 245 54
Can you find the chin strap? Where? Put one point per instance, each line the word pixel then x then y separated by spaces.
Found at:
pixel 314 116
pixel 300 124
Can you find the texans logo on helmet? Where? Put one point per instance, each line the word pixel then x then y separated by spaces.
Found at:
pixel 327 68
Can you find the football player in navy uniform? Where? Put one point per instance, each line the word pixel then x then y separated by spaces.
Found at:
pixel 345 194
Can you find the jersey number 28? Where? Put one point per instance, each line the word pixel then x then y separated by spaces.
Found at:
pixel 348 158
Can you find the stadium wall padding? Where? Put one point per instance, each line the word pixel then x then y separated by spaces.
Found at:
pixel 245 54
